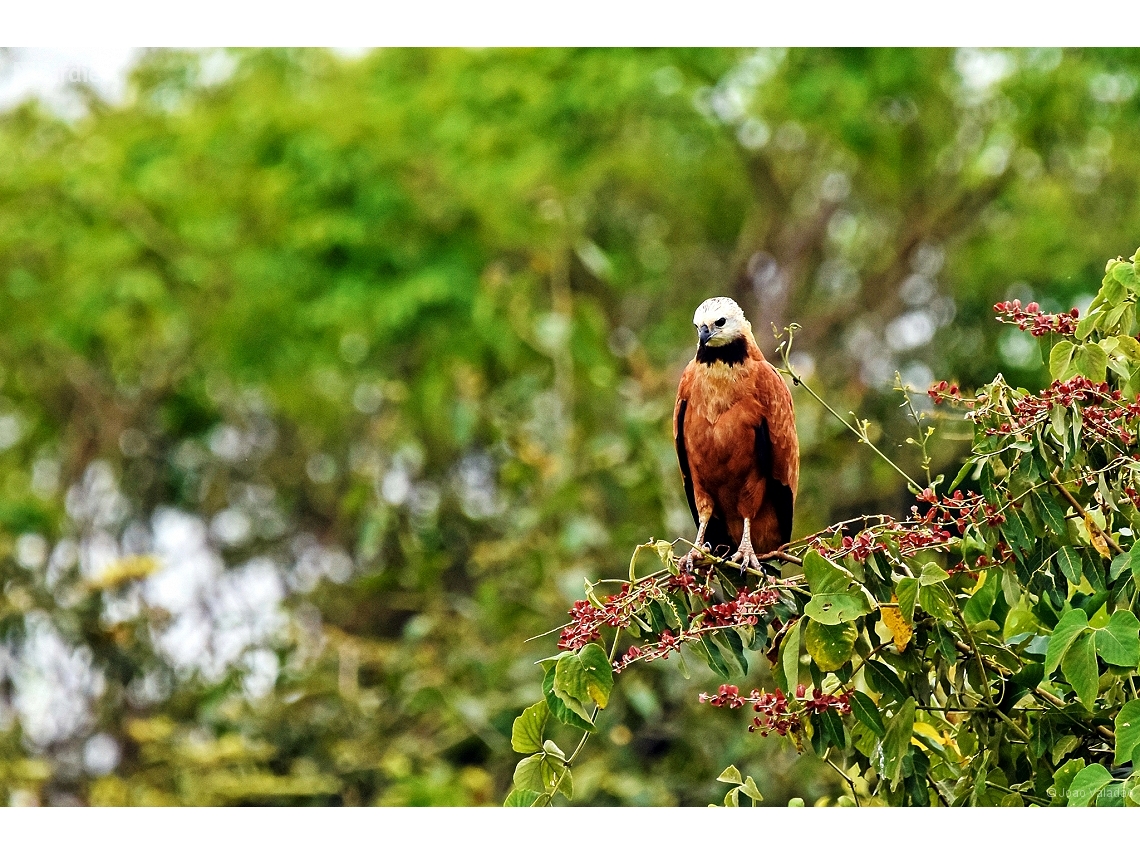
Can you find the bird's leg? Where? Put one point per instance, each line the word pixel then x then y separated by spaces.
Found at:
pixel 746 555
pixel 686 563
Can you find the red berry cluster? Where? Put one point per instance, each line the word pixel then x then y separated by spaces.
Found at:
pixel 921 531
pixel 1033 319
pixel 820 701
pixel 907 537
pixel 942 391
pixel 690 584
pixel 776 713
pixel 587 619
pixel 1102 410
pixel 745 609
pixel 958 510
pixel 666 643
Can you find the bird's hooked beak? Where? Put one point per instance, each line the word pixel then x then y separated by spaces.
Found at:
pixel 704 333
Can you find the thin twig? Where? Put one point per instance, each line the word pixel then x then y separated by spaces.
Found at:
pixel 843 775
pixel 780 555
pixel 784 348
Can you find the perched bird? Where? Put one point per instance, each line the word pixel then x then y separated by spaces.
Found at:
pixel 736 440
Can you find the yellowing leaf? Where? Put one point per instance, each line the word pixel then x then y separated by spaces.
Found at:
pixel 830 647
pixel 928 730
pixel 1096 537
pixel 901 630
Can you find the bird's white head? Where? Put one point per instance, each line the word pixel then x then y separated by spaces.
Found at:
pixel 720 321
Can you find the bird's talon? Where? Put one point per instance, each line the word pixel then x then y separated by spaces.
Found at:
pixel 685 565
pixel 746 558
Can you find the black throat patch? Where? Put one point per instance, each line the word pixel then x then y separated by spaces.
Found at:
pixel 733 353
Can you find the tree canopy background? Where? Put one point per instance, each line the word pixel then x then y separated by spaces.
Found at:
pixel 324 380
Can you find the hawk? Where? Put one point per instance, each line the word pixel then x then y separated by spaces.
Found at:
pixel 735 432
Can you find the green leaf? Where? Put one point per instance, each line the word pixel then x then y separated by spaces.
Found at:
pixel 571 685
pixel 1086 784
pixel 1071 624
pixel 1079 668
pixel 536 773
pixel 1111 796
pixel 750 789
pixel 599 674
pixel 1010 587
pixel 731 775
pixel 522 798
pixel 560 711
pixel 1085 326
pixel 884 680
pixel 1134 561
pixel 582 678
pixel 1069 561
pixel 906 592
pixel 733 642
pixel 896 742
pixel 1063 779
pixel 1118 643
pixel 566 784
pixel 1057 421
pixel 1125 274
pixel 979 606
pixel 830 646
pixel 1129 347
pixel 1051 512
pixel 932 574
pixel 1091 361
pixel 832 609
pixel 1132 791
pixel 937 601
pixel 790 658
pixel 1127 727
pixel 1060 358
pixel 528 728
pixel 823 576
pixel 962 473
pixel 1119 564
pixel 682 665
pixel 867 712
pixel 551 749
pixel 1019 533
pixel 829 722
pixel 716 658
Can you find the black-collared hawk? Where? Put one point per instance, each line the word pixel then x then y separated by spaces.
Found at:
pixel 735 432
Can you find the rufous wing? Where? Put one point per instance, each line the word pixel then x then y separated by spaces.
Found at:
pixel 716 532
pixel 777 446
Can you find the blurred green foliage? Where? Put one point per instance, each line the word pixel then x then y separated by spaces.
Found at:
pixel 375 358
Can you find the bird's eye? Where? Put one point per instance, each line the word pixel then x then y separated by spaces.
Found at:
pixel 720 322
